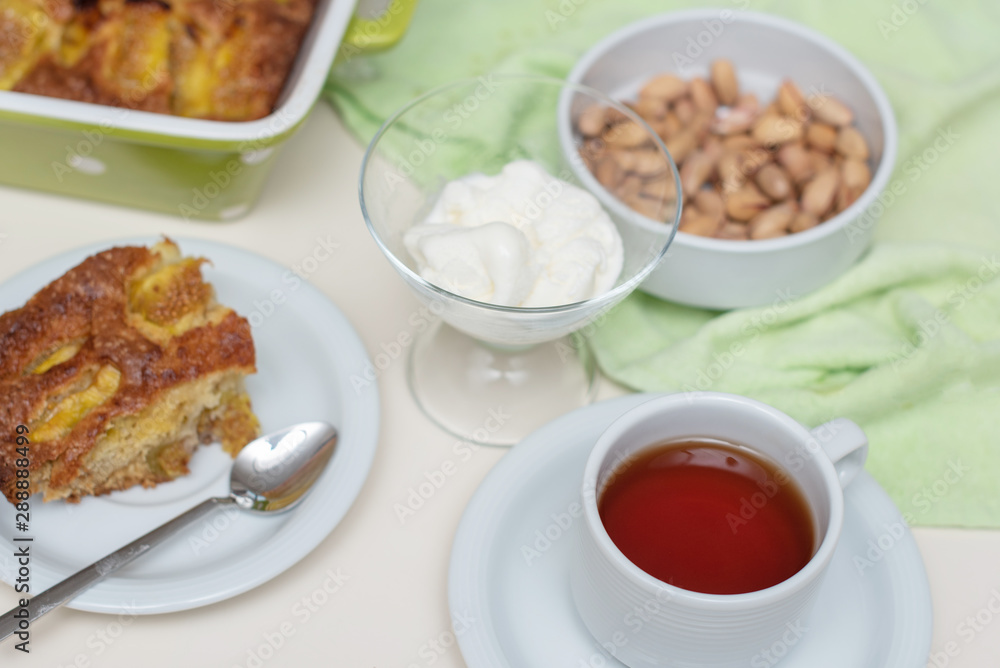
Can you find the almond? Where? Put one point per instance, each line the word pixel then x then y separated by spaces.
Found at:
pixel 829 109
pixel 593 148
pixel 733 231
pixel 661 189
pixel 700 125
pixel 820 160
pixel 790 100
pixel 592 121
pixel 629 187
pixel 753 158
pixel 709 202
pixel 684 108
pixel 802 221
pixel 724 82
pixel 797 162
pixel 649 162
pixel 672 123
pixel 772 222
pixel 648 207
pixel 736 167
pixel 821 136
pixel 852 144
pixel 660 127
pixel 731 177
pixel 696 170
pixel 651 108
pixel 856 173
pixel 624 158
pixel 681 144
pixel 739 143
pixel 608 172
pixel 854 180
pixel 774 182
pixel 818 193
pixel 666 87
pixel 696 223
pixel 613 115
pixel 703 96
pixel 746 203
pixel 772 130
pixel 626 135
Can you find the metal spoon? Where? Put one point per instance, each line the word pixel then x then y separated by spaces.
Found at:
pixel 271 474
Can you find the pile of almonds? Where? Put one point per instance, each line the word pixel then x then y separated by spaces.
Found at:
pixel 746 172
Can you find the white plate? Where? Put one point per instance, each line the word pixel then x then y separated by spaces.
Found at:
pixel 510 613
pixel 306 354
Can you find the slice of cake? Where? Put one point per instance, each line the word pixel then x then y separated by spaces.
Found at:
pixel 119 369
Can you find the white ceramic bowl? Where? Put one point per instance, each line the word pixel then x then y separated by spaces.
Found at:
pixel 722 274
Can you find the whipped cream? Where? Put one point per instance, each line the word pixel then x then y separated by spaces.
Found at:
pixel 520 238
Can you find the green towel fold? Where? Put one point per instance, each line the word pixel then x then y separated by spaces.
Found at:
pixel 907 343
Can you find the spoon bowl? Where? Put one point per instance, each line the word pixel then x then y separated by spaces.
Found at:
pixel 271 474
pixel 274 472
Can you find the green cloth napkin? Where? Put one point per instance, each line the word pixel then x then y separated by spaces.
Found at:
pixel 907 343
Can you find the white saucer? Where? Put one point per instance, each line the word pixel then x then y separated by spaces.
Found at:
pixel 306 354
pixel 512 614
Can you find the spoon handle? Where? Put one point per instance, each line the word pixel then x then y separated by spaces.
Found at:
pixel 60 593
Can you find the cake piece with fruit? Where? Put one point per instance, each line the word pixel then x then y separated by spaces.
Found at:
pixel 117 370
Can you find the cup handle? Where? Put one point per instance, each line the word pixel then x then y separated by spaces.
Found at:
pixel 845 444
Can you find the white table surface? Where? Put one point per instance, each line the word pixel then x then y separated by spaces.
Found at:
pixel 392 612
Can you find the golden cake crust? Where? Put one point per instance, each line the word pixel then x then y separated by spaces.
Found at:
pixel 99 310
pixel 211 59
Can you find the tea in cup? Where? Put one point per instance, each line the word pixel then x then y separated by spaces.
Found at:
pixel 709 522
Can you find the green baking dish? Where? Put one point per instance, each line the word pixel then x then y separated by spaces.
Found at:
pixel 195 169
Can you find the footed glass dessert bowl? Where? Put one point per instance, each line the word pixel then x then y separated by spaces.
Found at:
pixel 471 192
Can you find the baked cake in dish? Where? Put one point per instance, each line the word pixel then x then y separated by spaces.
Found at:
pixel 119 369
pixel 212 59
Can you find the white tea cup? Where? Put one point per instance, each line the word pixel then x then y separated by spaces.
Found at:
pixel 643 621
